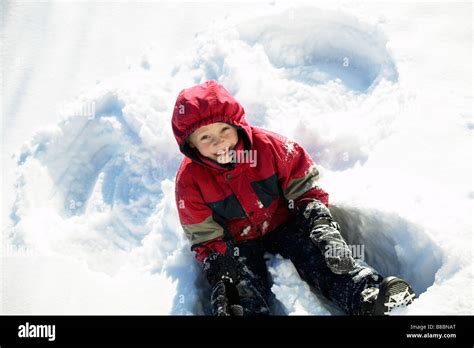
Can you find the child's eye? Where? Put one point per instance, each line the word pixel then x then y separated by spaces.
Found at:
pixel 204 137
pixel 225 128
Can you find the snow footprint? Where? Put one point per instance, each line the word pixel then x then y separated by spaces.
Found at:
pixel 392 245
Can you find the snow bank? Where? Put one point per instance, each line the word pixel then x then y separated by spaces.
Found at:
pixel 95 193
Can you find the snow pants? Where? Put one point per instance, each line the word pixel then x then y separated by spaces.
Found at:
pixel 291 243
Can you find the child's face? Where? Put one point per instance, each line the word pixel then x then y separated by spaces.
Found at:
pixel 214 141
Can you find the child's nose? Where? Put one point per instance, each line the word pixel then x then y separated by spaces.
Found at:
pixel 218 141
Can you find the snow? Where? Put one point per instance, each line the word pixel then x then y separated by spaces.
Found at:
pixel 264 226
pixel 289 147
pixel 379 94
pixel 246 231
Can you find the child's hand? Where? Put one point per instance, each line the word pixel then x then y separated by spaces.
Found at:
pixel 222 272
pixel 233 294
pixel 221 266
pixel 336 252
pixel 325 234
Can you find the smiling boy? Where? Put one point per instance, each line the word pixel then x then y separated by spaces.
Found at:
pixel 214 141
pixel 233 213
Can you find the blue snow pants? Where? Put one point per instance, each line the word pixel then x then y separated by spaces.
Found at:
pixel 294 244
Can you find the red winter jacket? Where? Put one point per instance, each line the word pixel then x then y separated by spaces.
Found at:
pixel 238 201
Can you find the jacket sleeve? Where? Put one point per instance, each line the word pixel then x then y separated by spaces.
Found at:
pixel 298 175
pixel 202 231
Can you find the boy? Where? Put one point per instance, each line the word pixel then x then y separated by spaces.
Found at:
pixel 242 191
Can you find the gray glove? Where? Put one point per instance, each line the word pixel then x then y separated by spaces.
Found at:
pixel 325 234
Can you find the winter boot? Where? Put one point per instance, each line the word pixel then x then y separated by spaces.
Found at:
pixel 392 293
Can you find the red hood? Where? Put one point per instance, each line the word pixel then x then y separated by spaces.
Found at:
pixel 204 104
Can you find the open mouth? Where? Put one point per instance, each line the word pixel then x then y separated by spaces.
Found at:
pixel 223 151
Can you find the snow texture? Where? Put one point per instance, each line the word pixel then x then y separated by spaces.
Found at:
pixel 380 96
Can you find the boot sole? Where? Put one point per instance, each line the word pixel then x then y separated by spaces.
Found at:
pixel 393 293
